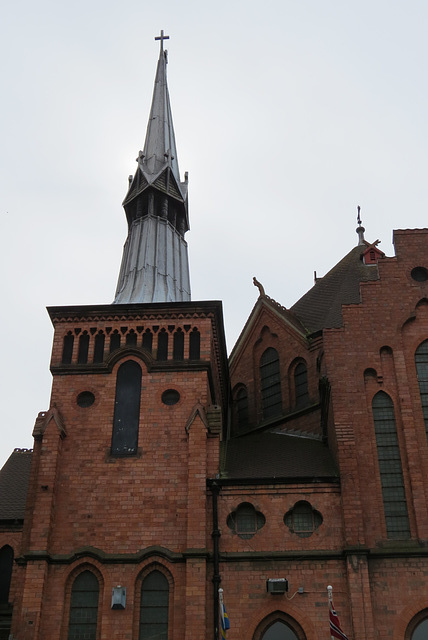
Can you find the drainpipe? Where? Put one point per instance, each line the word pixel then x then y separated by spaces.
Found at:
pixel 215 490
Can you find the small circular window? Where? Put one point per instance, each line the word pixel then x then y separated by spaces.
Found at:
pixel 420 274
pixel 170 396
pixel 85 399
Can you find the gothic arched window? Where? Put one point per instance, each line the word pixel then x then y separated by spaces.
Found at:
pixel 154 607
pixel 126 409
pixel 82 354
pixel 99 347
pixel 301 384
pixel 67 348
pixel 178 345
pixel 6 565
pixel 242 407
pixel 270 380
pixel 162 345
pixel 84 607
pixel 194 344
pixel 391 473
pixel 421 361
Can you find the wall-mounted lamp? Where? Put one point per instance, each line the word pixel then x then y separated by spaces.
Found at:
pixel 118 597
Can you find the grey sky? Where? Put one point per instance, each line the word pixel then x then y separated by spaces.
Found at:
pixel 288 114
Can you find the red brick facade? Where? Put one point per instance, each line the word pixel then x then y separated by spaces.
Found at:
pixel 123 517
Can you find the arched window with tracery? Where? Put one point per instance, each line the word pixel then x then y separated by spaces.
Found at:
pixel 390 467
pixel 154 607
pixel 126 409
pixel 270 382
pixel 84 607
pixel 421 361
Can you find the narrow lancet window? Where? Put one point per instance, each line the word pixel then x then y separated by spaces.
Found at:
pixel 148 340
pixel 6 566
pixel 84 607
pixel 126 409
pixel 390 468
pixel 67 348
pixel 131 339
pixel 301 384
pixel 114 341
pixel 270 380
pixel 421 361
pixel 163 345
pixel 82 356
pixel 178 347
pixel 99 347
pixel 242 407
pixel 195 345
pixel 154 607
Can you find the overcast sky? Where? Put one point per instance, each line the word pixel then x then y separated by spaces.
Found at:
pixel 288 114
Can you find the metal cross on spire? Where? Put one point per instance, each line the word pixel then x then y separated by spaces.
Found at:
pixel 161 38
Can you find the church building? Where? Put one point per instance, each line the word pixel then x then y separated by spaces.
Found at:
pixel 166 477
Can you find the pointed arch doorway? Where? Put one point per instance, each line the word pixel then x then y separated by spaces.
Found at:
pixel 279 626
pixel 279 631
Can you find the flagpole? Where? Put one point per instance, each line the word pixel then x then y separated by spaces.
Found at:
pixel 335 628
pixel 220 606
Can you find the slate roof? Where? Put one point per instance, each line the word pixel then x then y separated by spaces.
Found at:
pixel 321 306
pixel 14 479
pixel 274 455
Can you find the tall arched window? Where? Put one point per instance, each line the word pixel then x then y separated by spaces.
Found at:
pixel 270 380
pixel 99 346
pixel 162 345
pixel 6 565
pixel 154 607
pixel 82 355
pixel 421 361
pixel 391 473
pixel 242 407
pixel 126 409
pixel 84 607
pixel 178 345
pixel 67 348
pixel 301 384
pixel 194 344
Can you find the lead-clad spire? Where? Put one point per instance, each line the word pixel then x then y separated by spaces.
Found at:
pixel 155 264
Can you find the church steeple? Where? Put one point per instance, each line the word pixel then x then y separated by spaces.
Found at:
pixel 155 263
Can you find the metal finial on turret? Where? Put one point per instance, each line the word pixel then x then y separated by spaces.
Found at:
pixel 360 229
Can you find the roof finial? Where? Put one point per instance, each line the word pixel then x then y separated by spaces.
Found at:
pixel 161 38
pixel 260 287
pixel 360 229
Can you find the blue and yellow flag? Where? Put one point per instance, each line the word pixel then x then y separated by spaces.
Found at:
pixel 224 618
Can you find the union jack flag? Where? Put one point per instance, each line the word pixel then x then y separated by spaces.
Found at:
pixel 335 630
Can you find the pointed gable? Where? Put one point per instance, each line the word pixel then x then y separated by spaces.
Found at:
pixel 321 307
